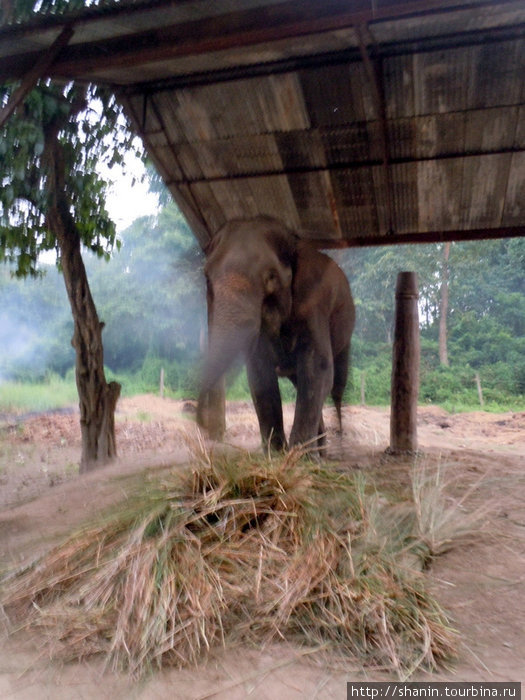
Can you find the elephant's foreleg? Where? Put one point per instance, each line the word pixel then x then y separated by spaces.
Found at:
pixel 321 432
pixel 264 388
pixel 314 380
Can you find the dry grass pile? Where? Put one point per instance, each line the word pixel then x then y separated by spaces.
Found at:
pixel 245 549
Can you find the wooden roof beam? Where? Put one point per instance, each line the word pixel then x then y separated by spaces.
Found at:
pixel 341 165
pixel 478 234
pixel 38 71
pixel 233 29
pixel 186 203
pixel 375 76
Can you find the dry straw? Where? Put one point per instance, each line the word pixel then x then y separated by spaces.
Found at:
pixel 237 549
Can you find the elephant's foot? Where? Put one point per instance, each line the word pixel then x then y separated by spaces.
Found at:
pixel 276 442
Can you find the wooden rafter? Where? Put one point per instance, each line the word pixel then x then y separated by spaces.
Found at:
pixel 341 165
pixel 237 28
pixel 477 234
pixel 188 207
pixel 38 71
pixel 374 74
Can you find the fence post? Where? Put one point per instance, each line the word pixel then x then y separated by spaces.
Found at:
pixel 161 388
pixel 363 387
pixel 480 391
pixel 405 366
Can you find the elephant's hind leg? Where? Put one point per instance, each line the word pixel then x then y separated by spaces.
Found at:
pixel 321 432
pixel 341 362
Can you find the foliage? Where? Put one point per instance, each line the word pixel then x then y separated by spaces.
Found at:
pixel 91 131
pixel 151 298
pixel 24 10
pixel 486 326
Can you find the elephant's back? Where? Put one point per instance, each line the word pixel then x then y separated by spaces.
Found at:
pixel 318 271
pixel 321 290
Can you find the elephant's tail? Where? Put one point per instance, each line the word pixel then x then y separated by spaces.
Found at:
pixel 341 367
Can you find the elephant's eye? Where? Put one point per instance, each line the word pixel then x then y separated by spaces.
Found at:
pixel 271 281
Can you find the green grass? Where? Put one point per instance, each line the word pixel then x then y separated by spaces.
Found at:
pixel 513 404
pixel 56 392
pixel 144 416
pixel 18 397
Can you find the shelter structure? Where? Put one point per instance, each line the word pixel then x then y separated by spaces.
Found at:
pixel 357 122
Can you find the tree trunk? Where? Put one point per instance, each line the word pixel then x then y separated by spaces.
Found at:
pixel 443 308
pixel 98 399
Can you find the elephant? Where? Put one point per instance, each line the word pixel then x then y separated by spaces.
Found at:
pixel 287 308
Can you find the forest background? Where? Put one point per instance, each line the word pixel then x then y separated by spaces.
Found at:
pixel 150 295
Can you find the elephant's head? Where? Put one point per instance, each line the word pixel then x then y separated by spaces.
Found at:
pixel 249 272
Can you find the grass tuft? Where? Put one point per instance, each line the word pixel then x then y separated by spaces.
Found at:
pixel 241 549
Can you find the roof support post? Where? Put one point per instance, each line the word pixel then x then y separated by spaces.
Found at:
pixel 373 70
pixel 31 78
pixel 405 367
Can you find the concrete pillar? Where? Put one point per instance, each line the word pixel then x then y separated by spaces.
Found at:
pixel 405 366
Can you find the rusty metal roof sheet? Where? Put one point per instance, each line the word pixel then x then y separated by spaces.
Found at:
pixel 355 121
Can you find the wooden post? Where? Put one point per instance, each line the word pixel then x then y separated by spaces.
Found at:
pixel 405 366
pixel 162 382
pixel 37 71
pixel 480 391
pixel 363 387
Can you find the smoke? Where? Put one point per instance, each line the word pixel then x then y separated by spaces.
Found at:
pixel 19 345
pixel 150 296
pixel 35 330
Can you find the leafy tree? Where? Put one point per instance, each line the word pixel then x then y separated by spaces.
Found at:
pixel 152 299
pixel 51 197
pixel 485 326
pixel 150 296
pixel 373 273
pixel 443 307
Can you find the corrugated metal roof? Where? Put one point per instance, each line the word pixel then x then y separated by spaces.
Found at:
pixel 356 121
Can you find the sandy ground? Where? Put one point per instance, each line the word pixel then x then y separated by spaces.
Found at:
pixel 482 585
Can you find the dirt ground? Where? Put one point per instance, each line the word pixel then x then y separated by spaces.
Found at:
pixel 482 585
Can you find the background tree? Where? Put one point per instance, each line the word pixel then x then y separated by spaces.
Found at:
pixel 484 323
pixel 443 306
pixel 51 197
pixel 153 299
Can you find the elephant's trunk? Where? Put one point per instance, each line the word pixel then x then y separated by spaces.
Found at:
pixel 231 334
pixel 224 348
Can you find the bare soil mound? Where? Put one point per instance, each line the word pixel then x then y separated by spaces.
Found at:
pixel 481 585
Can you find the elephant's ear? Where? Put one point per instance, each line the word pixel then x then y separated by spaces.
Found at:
pixel 213 244
pixel 277 302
